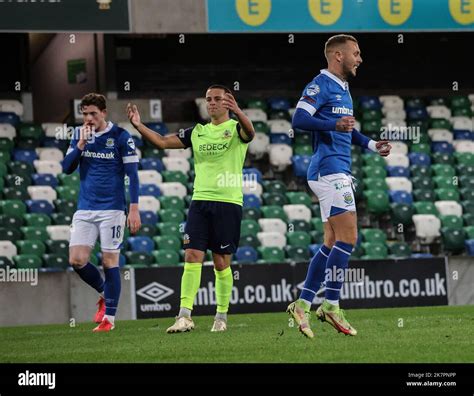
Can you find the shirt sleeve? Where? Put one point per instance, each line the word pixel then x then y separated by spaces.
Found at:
pixel 313 97
pixel 185 137
pixel 128 151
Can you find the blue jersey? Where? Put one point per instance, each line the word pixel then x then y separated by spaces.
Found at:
pixel 327 98
pixel 102 169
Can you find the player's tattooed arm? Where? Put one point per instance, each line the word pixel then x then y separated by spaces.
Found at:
pixel 162 142
pixel 247 132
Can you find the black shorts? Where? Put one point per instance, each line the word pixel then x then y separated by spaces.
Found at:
pixel 213 225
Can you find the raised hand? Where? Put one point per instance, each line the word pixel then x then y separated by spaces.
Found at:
pixel 133 115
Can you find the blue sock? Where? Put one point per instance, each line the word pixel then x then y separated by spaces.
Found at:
pixel 112 288
pixel 336 266
pixel 91 275
pixel 315 274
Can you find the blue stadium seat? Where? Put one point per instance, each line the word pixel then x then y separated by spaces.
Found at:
pixel 152 164
pixel 44 179
pixel 24 155
pixel 279 104
pixel 141 244
pixel 418 114
pixel 300 164
pixel 159 127
pixel 246 254
pixel 280 138
pixel 463 135
pixel 138 141
pixel 122 259
pixel 469 246
pixel 39 206
pixel 148 217
pixel 419 159
pixel 421 255
pixel 442 147
pixel 7 117
pixel 398 171
pixel 314 248
pixel 399 196
pixel 149 189
pixel 251 201
pixel 370 103
pixel 255 174
pixel 52 142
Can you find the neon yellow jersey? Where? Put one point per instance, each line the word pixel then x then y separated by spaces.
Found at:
pixel 219 155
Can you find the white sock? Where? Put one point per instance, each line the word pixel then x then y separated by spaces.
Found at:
pixel 110 318
pixel 333 302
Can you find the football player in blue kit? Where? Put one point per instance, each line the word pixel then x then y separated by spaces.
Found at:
pixel 104 153
pixel 325 109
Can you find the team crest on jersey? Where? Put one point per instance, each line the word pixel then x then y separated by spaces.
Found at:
pixel 186 239
pixel 109 143
pixel 227 134
pixel 131 143
pixel 338 97
pixel 313 89
pixel 348 199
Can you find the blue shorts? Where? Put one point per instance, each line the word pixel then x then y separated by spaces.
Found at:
pixel 213 225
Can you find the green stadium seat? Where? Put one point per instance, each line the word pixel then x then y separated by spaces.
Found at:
pixel 68 193
pixel 371 115
pixel 147 230
pixel 299 198
pixel 374 251
pixel 37 219
pixel 5 157
pixel 451 221
pixel 357 253
pixel 402 213
pixel 257 104
pixel 261 127
pixel 373 235
pixel 303 138
pixel 420 170
pixel 466 181
pixel 461 169
pixel 302 149
pixel 15 193
pixel 57 247
pixel 249 227
pixel 440 123
pixel 249 240
pixel 72 180
pixel 65 207
pixel 468 219
pixel 374 160
pixel 443 170
pixel 315 210
pixel 170 229
pixel 445 182
pixel 357 161
pixel 298 238
pixel 358 173
pixel 469 230
pixel 18 181
pixel 171 215
pixel 317 224
pixel 271 254
pixel 21 168
pixel 421 148
pixel 12 207
pixel 30 246
pixel 458 102
pixel 424 195
pixel 61 219
pixel 273 212
pixel 170 242
pixel 11 221
pixel 3 172
pixel 467 193
pixel 423 183
pixel 56 261
pixel 152 152
pixel 444 194
pixel 374 172
pixel 297 253
pixel 440 158
pixel 10 234
pixel 468 206
pixel 425 207
pixel 31 131
pixel 317 236
pixel 453 239
pixel 274 186
pixel 174 176
pixel 6 144
pixel 466 159
pixel 274 199
pixel 168 202
pixel 36 233
pixel 26 143
pixel 139 258
pixel 399 250
pixel 299 225
pixel 375 184
pixel 166 257
pixel 377 201
pixel 371 126
pixel 463 112
pixel 251 213
pixel 27 261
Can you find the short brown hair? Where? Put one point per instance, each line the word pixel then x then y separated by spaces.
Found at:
pixel 219 86
pixel 336 40
pixel 94 99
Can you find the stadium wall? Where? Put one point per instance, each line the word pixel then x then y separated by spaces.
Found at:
pixel 460 278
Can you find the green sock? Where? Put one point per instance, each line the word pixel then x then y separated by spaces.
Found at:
pixel 224 282
pixel 190 282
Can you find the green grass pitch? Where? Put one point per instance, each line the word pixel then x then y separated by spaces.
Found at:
pixel 406 335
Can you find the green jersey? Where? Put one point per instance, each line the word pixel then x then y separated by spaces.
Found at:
pixel 219 155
